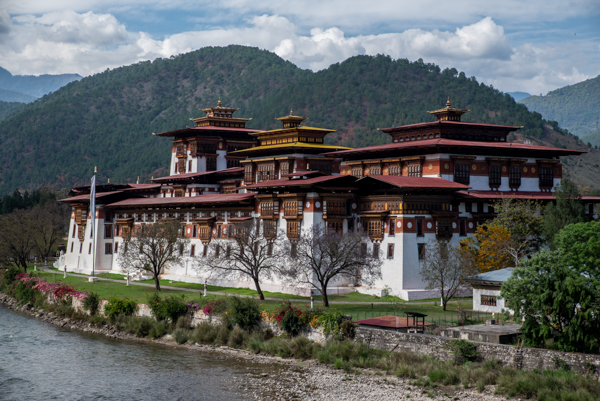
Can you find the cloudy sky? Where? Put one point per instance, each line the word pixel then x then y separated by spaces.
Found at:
pixel 516 45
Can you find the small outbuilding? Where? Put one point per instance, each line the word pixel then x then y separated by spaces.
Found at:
pixel 414 323
pixel 486 290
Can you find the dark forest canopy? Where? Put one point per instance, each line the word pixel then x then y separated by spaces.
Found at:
pixel 106 120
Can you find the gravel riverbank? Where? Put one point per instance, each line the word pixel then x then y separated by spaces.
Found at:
pixel 304 380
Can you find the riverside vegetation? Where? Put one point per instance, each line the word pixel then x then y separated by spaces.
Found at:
pixel 240 326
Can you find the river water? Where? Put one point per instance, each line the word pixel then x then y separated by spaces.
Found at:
pixel 40 361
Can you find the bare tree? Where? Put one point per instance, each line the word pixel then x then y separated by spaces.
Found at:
pixel 153 247
pixel 445 268
pixel 17 237
pixel 51 222
pixel 321 256
pixel 250 253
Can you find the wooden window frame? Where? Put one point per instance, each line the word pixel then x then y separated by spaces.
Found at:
pixel 390 252
pixel 488 300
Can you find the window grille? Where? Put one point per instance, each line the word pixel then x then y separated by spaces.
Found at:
pixel 489 300
pixel 514 177
pixel 461 173
pixel 495 176
pixel 414 170
pixel 546 177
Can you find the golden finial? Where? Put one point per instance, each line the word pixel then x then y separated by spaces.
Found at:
pixel 219 102
pixel 95 169
pixel 448 102
pixel 291 112
pixel 109 180
pixel 152 178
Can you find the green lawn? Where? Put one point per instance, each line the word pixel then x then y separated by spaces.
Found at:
pixel 380 306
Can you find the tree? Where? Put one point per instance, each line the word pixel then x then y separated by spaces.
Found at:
pixel 513 235
pixel 487 249
pixel 153 247
pixel 445 268
pixel 51 222
pixel 580 246
pixel 320 256
pixel 17 237
pixel 568 209
pixel 250 253
pixel 557 292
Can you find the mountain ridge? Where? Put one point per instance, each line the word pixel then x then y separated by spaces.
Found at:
pixel 35 86
pixel 575 107
pixel 106 120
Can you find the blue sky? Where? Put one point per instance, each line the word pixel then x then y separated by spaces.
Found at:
pixel 533 46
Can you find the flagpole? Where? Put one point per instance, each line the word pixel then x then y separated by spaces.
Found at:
pixel 93 212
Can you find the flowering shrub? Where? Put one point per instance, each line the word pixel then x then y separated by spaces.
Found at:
pixel 60 291
pixel 215 307
pixel 290 319
pixel 193 307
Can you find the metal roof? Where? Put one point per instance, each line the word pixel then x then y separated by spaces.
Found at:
pixel 500 276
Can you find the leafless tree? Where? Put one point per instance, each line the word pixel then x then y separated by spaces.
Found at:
pixel 445 268
pixel 250 253
pixel 51 223
pixel 321 256
pixel 153 247
pixel 17 237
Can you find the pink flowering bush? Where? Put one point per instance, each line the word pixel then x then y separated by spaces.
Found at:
pixel 60 291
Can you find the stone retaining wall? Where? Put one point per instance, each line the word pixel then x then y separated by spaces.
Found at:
pixel 430 345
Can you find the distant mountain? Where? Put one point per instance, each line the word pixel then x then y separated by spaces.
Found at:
pixel 35 86
pixel 519 95
pixel 12 96
pixel 106 120
pixel 8 108
pixel 575 107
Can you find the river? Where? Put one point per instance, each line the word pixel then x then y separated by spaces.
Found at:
pixel 40 361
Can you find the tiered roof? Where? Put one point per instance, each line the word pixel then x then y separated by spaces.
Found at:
pixel 292 137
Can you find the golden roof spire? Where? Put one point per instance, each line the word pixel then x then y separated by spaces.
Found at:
pixel 448 102
pixel 291 112
pixel 219 102
pixel 95 169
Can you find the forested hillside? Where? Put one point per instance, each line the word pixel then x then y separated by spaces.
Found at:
pixel 106 120
pixel 8 108
pixel 575 107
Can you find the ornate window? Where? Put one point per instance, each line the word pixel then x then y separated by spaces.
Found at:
pixel 392 226
pixel 514 177
pixel 293 229
pixel 357 171
pixel 546 177
pixel 270 228
pixel 375 170
pixel 395 170
pixel 335 226
pixel 495 176
pixel 444 229
pixel 461 173
pixel 414 170
pixel 375 228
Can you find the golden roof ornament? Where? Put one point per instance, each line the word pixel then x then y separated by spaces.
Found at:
pixel 219 102
pixel 291 112
pixel 448 102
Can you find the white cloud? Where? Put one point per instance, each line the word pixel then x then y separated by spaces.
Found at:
pixel 86 43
